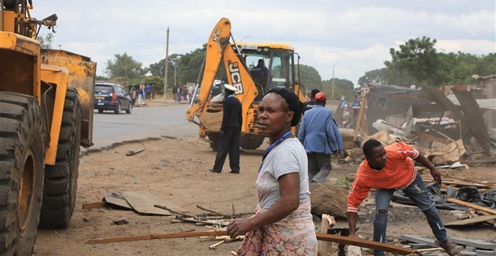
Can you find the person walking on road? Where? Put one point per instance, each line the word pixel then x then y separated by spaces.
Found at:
pixel 230 130
pixel 320 136
pixel 389 168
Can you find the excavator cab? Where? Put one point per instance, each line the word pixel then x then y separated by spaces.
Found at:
pixel 279 60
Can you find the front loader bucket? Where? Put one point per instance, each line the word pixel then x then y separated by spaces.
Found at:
pixel 82 77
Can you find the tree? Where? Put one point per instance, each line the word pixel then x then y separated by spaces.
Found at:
pixel 416 62
pixel 190 65
pixel 373 76
pixel 310 77
pixel 126 67
pixel 342 87
pixel 45 42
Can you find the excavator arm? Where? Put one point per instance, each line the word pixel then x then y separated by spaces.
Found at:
pixel 217 42
pixel 218 49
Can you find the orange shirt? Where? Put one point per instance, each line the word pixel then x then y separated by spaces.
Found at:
pixel 399 172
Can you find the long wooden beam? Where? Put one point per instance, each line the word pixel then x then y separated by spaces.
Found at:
pixel 477 207
pixel 323 237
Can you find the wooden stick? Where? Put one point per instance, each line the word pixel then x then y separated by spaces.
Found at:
pixel 94 205
pixel 429 249
pixel 364 243
pixel 176 212
pixel 216 244
pixel 212 211
pixel 132 153
pixel 322 237
pixel 155 236
pixel 477 207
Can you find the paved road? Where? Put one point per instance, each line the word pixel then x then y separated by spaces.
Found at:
pixel 142 123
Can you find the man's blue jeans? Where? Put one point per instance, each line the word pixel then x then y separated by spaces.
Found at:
pixel 420 197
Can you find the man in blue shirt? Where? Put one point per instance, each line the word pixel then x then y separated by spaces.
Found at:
pixel 320 136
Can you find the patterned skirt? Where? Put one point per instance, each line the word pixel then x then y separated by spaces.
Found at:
pixel 293 235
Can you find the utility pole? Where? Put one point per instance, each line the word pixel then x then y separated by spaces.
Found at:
pixel 333 66
pixel 332 95
pixel 166 71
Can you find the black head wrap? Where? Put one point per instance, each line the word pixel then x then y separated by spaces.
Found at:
pixel 294 103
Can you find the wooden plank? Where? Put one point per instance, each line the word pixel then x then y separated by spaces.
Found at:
pixel 430 137
pixel 155 236
pixel 477 207
pixel 364 243
pixel 114 200
pixel 93 205
pixel 325 248
pixel 418 239
pixel 480 244
pixel 323 237
pixel 143 202
pixel 470 221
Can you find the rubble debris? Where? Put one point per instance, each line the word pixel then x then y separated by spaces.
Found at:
pixel 120 222
pixel 135 152
pixel 470 221
pixel 143 202
pixel 322 203
pixel 477 207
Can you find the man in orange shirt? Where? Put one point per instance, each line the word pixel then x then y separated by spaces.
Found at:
pixel 387 169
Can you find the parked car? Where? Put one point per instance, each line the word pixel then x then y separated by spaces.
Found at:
pixel 109 96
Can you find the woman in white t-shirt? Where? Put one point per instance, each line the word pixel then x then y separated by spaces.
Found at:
pixel 283 223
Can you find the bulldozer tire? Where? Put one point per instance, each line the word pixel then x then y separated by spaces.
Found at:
pixel 22 155
pixel 59 196
pixel 251 142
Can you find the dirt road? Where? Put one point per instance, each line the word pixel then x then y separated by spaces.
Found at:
pixel 176 171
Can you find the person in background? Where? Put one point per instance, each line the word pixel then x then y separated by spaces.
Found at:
pixel 310 104
pixel 230 130
pixel 282 224
pixel 133 95
pixel 320 136
pixel 148 92
pixel 389 168
pixel 177 93
pixel 261 67
pixel 141 95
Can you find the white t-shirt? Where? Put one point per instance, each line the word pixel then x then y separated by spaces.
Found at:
pixel 287 157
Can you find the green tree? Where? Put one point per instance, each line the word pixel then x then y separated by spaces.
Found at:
pixel 190 65
pixel 157 82
pixel 46 41
pixel 373 76
pixel 310 77
pixel 416 62
pixel 124 66
pixel 342 88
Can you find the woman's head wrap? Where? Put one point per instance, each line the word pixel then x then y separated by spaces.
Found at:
pixel 294 103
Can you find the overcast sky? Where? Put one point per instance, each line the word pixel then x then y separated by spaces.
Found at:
pixel 349 37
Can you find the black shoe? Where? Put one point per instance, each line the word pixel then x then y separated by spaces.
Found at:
pixel 212 170
pixel 234 172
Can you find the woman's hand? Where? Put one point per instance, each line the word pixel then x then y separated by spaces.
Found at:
pixel 239 227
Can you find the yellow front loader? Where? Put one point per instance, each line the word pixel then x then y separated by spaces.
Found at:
pixel 46 114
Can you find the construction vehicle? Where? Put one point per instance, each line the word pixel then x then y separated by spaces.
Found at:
pixel 238 60
pixel 46 114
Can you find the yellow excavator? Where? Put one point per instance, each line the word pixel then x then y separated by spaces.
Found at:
pixel 240 61
pixel 46 114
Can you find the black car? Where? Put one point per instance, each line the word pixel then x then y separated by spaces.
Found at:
pixel 109 96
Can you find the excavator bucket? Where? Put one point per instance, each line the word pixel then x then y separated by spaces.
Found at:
pixel 82 77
